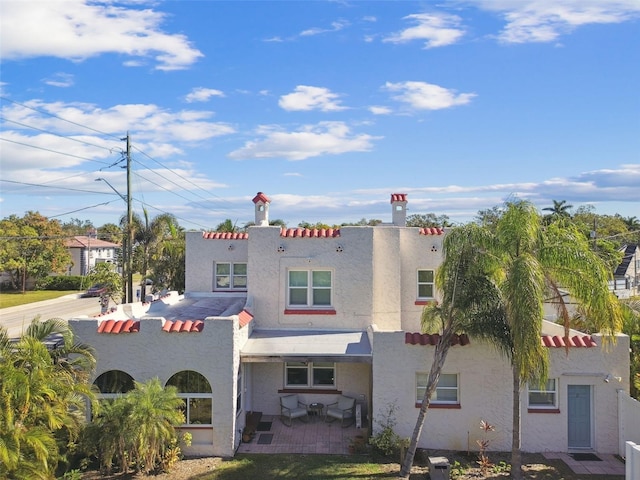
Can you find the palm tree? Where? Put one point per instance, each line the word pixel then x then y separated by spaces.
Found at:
pixel 167 263
pixel 527 262
pixel 470 304
pixel 42 398
pixel 560 209
pixel 147 234
pixel 632 223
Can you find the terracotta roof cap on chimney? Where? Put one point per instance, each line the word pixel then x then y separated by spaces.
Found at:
pixel 261 197
pixel 398 197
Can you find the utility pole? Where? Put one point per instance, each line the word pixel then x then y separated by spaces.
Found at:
pixel 129 295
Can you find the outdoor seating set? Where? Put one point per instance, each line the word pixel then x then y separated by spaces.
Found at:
pixel 342 409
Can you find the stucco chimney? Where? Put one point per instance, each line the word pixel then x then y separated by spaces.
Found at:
pixel 399 212
pixel 261 202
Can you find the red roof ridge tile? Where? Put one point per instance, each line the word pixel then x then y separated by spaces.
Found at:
pixel 244 318
pixel 119 326
pixel 431 231
pixel 310 232
pixel 225 235
pixel 398 197
pixel 557 341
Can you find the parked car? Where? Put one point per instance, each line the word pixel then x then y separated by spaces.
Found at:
pixel 96 291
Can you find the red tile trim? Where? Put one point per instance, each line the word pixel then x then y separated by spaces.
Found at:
pixel 425 302
pixel 398 197
pixel 310 232
pixel 557 341
pixel 225 236
pixel 290 311
pixel 431 231
pixel 183 326
pixel 119 326
pixel 441 406
pixel 244 318
pixel 543 410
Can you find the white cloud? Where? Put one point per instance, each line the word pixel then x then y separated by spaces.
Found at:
pixel 437 29
pixel 325 138
pixel 311 98
pixel 379 110
pixel 335 27
pixel 78 29
pixel 427 96
pixel 202 94
pixel 60 79
pixel 546 20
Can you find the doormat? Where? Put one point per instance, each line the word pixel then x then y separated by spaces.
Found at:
pixel 265 438
pixel 264 427
pixel 585 457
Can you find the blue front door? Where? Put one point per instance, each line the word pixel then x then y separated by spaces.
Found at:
pixel 579 416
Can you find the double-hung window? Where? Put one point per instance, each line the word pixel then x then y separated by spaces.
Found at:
pixel 309 288
pixel 544 396
pixel 310 375
pixel 231 276
pixel 195 391
pixel 425 284
pixel 446 392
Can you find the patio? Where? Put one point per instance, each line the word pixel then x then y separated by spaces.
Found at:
pixel 315 436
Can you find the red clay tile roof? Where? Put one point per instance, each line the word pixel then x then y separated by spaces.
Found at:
pixel 310 232
pixel 431 231
pixel 557 341
pixel 182 326
pixel 261 197
pixel 432 339
pixel 119 326
pixel 245 317
pixel 398 197
pixel 225 235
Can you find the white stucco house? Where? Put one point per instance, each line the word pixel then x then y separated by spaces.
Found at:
pixel 626 277
pixel 326 312
pixel 86 251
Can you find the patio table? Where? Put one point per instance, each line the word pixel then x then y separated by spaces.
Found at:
pixel 315 409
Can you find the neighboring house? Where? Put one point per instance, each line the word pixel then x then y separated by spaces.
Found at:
pixel 86 251
pixel 626 278
pixel 337 311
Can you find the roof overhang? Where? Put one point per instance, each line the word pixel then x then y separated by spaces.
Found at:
pixel 307 346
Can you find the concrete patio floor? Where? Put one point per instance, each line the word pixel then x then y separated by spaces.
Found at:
pixel 608 464
pixel 315 436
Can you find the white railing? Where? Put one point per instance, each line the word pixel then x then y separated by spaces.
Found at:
pixel 632 462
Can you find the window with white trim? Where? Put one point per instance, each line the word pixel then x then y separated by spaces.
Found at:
pixel 195 391
pixel 310 375
pixel 543 396
pixel 309 288
pixel 446 393
pixel 425 284
pixel 231 276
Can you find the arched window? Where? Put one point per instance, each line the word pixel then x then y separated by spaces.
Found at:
pixel 195 391
pixel 114 382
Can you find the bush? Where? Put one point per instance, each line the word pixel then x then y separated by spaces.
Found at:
pixel 71 282
pixel 386 440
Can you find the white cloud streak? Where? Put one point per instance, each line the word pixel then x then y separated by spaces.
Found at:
pixel 436 29
pixel 77 30
pixel 306 98
pixel 324 138
pixel 427 96
pixel 202 94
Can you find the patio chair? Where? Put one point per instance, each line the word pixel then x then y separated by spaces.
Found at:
pixel 290 408
pixel 343 410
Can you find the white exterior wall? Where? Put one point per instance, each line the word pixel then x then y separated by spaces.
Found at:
pixel 485 394
pixel 201 253
pixel 150 353
pixel 351 296
pixel 91 258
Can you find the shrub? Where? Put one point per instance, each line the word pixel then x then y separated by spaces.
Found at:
pixel 387 441
pixel 62 282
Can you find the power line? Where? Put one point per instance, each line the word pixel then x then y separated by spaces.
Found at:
pixel 53 151
pixel 52 186
pixel 81 209
pixel 43 112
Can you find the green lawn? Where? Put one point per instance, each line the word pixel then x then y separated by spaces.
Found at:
pixel 12 299
pixel 300 467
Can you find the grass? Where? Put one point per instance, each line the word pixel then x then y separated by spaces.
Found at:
pixel 12 299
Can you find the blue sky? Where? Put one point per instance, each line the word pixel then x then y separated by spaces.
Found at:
pixel 328 107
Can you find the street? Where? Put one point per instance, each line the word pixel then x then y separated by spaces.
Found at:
pixel 14 319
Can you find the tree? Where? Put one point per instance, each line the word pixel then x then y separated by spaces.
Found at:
pixel 137 427
pixel 560 209
pixel 147 235
pixel 42 394
pixel 104 273
pixel 471 304
pixel 428 220
pixel 31 248
pixel 168 261
pixel 527 263
pixel 227 226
